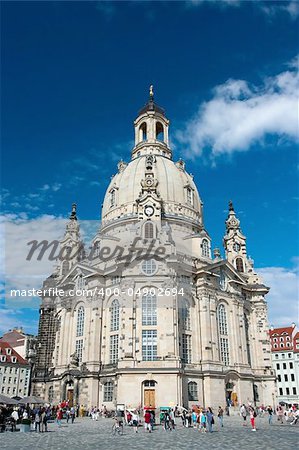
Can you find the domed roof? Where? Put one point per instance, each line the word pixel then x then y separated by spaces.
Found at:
pixel 173 182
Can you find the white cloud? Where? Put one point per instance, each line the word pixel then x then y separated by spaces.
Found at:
pixel 239 115
pixel 283 296
pixel 291 8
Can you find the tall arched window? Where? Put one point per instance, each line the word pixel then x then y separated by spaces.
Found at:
pixel 192 391
pixel 184 313
pixel 114 323
pixel 80 283
pixel 112 198
pixel 223 335
pixel 80 321
pixel 149 310
pixel 205 251
pixel 189 196
pixel 50 394
pixel 239 265
pixel 159 132
pixel 142 132
pixel 148 230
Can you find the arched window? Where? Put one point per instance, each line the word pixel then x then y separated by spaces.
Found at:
pixel 50 394
pixel 142 132
pixel 189 196
pixel 80 321
pixel 149 310
pixel 205 251
pixel 159 132
pixel 239 265
pixel 65 267
pixel 114 323
pixel 112 198
pixel 148 230
pixel 108 392
pixel 192 391
pixel 222 331
pixel 80 283
pixel 184 313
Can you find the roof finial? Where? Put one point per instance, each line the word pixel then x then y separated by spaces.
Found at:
pixel 73 215
pixel 151 92
pixel 230 206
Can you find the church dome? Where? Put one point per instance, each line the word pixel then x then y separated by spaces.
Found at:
pixel 175 187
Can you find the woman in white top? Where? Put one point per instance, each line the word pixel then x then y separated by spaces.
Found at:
pixel 135 421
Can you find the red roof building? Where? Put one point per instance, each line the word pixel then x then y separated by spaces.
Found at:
pixel 14 372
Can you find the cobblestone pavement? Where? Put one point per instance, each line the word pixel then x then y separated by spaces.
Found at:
pixel 87 434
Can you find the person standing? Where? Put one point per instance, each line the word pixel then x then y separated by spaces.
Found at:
pixel 37 420
pixel 243 414
pixel 44 420
pixel 210 419
pixel 270 414
pixel 220 416
pixel 72 414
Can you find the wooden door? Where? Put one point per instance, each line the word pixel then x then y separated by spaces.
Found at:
pixel 70 397
pixel 149 397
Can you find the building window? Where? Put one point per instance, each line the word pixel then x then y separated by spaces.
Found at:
pixel 290 355
pixel 142 132
pixel 186 348
pixel 222 321
pixel 80 321
pixel 275 340
pixel 281 339
pixel 275 345
pixel 79 349
pixel 284 366
pixel 112 198
pixel 185 316
pixel 80 283
pixel 292 377
pixel 108 392
pixel 149 310
pixel 276 356
pixel 116 279
pixel 291 365
pixel 294 391
pixel 65 267
pixel 279 378
pixel 149 345
pixel 149 267
pixel 281 345
pixel 149 383
pixel 113 349
pixel 283 355
pixel 189 196
pixel 224 351
pixel 148 230
pixel 114 322
pixel 280 391
pixel 50 394
pixel 288 391
pixel 192 391
pixel 286 378
pixel 239 265
pixel 205 251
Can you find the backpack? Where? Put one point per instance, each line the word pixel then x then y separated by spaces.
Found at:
pixel 254 414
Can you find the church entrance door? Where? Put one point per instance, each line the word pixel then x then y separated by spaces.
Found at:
pixel 70 397
pixel 149 398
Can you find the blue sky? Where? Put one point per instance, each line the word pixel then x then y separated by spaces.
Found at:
pixel 74 75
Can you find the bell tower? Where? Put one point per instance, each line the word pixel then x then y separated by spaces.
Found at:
pixel 151 130
pixel 234 241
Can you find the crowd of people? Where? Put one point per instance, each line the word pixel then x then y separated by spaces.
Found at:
pixel 199 418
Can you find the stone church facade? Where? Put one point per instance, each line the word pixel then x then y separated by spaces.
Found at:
pixel 169 321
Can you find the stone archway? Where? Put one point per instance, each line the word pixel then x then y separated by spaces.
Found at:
pixel 232 389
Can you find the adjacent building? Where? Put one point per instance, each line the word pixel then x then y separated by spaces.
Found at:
pixel 285 362
pixel 23 343
pixel 14 372
pixel 178 325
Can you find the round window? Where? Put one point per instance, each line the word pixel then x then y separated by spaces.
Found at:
pixel 149 267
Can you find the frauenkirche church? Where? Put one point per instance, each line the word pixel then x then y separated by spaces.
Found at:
pixel 176 325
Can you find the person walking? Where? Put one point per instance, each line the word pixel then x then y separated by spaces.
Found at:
pixel 252 414
pixel 72 414
pixel 135 420
pixel 59 417
pixel 147 421
pixel 203 422
pixel 270 414
pixel 220 416
pixel 210 419
pixel 279 412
